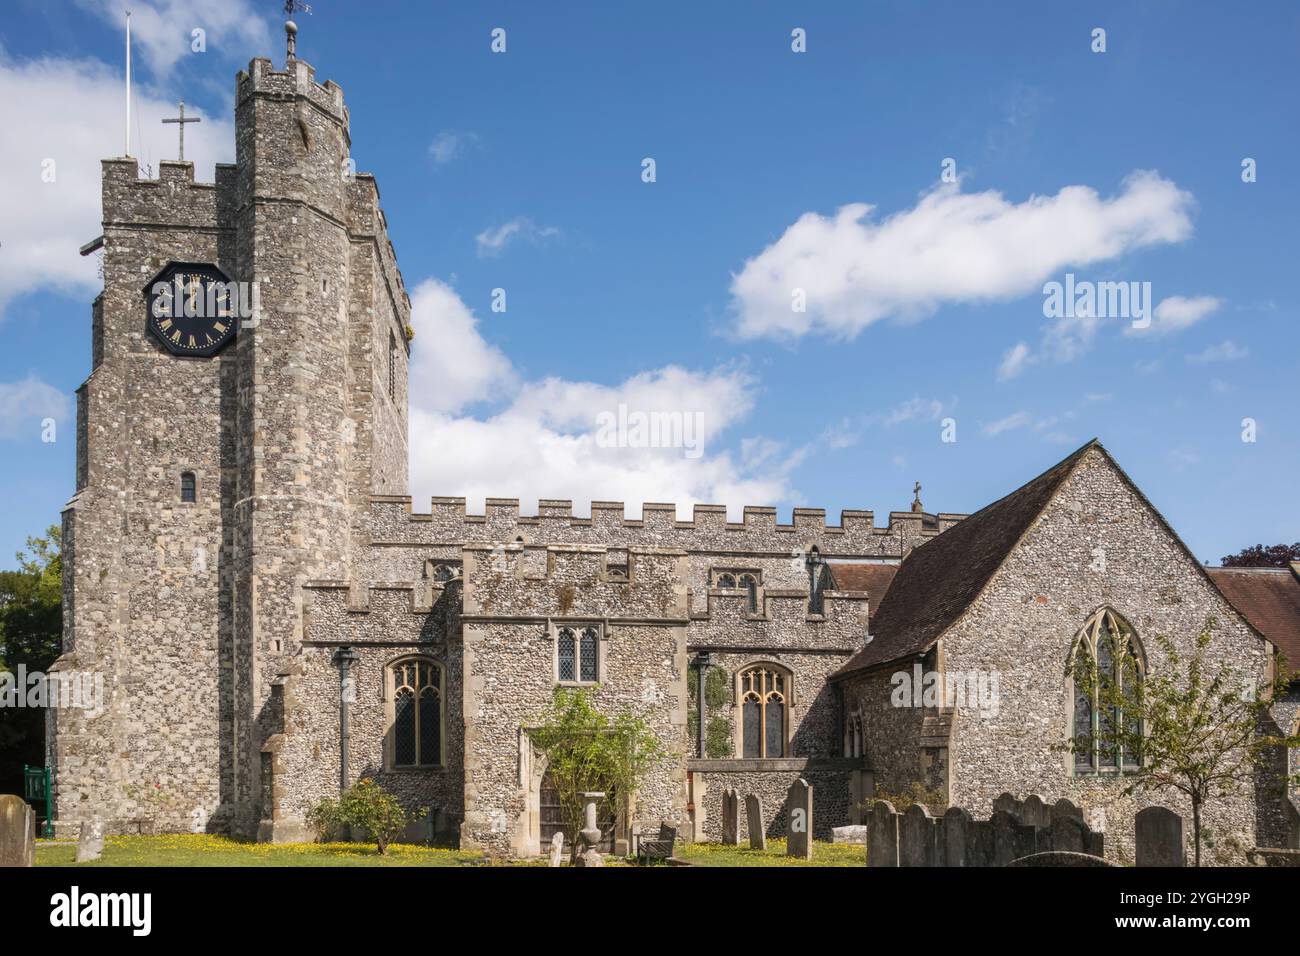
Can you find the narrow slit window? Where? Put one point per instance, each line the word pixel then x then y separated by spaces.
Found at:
pixel 189 487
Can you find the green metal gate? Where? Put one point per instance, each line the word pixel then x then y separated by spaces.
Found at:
pixel 39 792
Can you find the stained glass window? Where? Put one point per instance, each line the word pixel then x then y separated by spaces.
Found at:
pixel 1109 641
pixel 763 712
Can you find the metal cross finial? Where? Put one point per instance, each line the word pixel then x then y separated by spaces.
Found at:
pixel 916 502
pixel 181 121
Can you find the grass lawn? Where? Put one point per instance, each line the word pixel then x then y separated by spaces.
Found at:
pixel 719 854
pixel 211 850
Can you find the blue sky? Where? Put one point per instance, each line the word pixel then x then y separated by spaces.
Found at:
pixel 523 171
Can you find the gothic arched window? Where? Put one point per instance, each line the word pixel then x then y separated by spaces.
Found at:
pixel 726 580
pixel 189 487
pixel 764 695
pixel 417 713
pixel 443 573
pixel 1106 657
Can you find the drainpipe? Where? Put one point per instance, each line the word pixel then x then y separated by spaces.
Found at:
pixel 345 657
pixel 702 664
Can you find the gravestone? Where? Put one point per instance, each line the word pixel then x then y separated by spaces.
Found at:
pixel 90 842
pixel 799 814
pixel 730 817
pixel 1007 802
pixel 754 818
pixel 850 834
pixel 1064 808
pixel 980 849
pixel 557 848
pixel 1158 834
pixel 882 835
pixel 1036 813
pixel 17 832
pixel 1069 835
pixel 955 838
pixel 917 838
pixel 1011 838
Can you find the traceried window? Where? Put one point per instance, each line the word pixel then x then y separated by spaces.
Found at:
pixel 189 487
pixel 417 713
pixel 764 711
pixel 1106 654
pixel 725 580
pixel 443 573
pixel 576 653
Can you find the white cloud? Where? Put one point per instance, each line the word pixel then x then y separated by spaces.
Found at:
pixel 161 32
pixel 1225 351
pixel 950 247
pixel 70 112
pixel 449 144
pixel 25 404
pixel 1175 314
pixel 1014 361
pixel 493 241
pixel 1013 421
pixel 927 409
pixel 543 438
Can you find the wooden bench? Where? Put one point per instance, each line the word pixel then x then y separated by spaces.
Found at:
pixel 657 849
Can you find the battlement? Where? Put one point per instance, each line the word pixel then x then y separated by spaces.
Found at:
pixel 392 522
pixel 298 79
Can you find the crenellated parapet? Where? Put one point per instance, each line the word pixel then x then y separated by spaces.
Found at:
pixel 782 620
pixel 392 524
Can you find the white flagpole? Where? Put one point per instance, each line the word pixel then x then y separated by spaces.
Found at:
pixel 128 83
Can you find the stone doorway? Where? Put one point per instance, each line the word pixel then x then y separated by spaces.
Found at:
pixel 550 818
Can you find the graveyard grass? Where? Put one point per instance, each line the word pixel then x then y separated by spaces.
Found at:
pixel 213 850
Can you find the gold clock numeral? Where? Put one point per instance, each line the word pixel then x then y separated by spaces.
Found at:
pixel 165 324
pixel 194 343
pixel 221 329
pixel 176 336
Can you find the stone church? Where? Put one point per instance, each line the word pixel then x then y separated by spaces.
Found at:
pixel 274 619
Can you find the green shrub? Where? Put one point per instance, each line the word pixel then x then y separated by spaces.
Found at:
pixel 366 806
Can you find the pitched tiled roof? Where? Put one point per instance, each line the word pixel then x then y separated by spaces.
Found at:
pixel 938 580
pixel 1269 598
pixel 872 577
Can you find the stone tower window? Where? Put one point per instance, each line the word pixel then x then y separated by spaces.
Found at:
pixel 1105 653
pixel 746 581
pixel 189 487
pixel 416 719
pixel 577 655
pixel 392 367
pixel 764 718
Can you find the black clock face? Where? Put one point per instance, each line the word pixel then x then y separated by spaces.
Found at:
pixel 193 309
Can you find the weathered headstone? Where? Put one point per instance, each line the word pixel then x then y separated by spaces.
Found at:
pixel 1035 812
pixel 754 818
pixel 850 834
pixel 917 837
pixel 590 834
pixel 1158 835
pixel 882 837
pixel 557 848
pixel 730 817
pixel 1007 802
pixel 90 842
pixel 955 838
pixel 17 832
pixel 1064 808
pixel 980 848
pixel 1011 838
pixel 799 814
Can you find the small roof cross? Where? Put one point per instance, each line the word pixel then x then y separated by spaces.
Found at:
pixel 181 121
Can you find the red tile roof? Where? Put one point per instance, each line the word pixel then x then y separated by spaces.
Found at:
pixel 872 577
pixel 1269 598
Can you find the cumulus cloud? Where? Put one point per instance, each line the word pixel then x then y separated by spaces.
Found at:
pixel 951 247
pixel 1176 313
pixel 161 31
pixel 493 241
pixel 46 221
pixel 25 404
pixel 479 430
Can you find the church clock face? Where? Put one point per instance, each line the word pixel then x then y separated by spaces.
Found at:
pixel 192 308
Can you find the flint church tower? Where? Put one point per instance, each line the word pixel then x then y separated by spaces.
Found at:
pixel 223 461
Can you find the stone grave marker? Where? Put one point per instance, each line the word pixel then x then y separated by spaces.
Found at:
pixel 799 814
pixel 754 818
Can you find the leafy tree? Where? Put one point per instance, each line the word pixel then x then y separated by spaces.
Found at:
pixel 31 632
pixel 1261 556
pixel 587 752
pixel 363 806
pixel 1195 730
